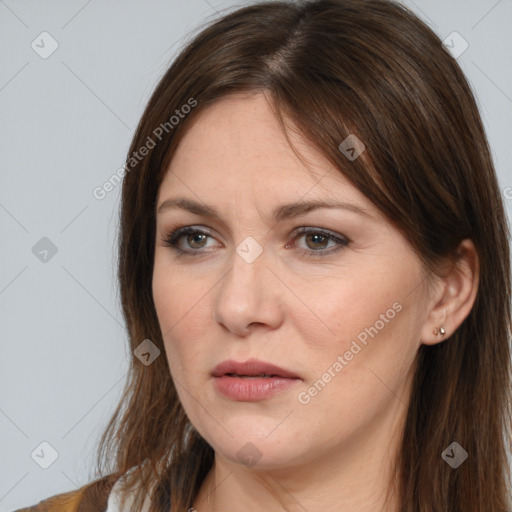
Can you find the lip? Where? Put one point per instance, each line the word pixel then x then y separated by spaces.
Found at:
pixel 238 381
pixel 251 367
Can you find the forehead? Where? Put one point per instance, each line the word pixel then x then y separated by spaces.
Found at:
pixel 237 147
pixel 239 129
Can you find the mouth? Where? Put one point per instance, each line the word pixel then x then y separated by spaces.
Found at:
pixel 260 376
pixel 252 380
pixel 252 369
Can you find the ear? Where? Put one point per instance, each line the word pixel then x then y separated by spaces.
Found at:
pixel 453 294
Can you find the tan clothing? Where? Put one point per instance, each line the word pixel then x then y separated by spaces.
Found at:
pixel 92 497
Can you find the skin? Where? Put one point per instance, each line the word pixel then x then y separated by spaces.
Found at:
pixel 296 311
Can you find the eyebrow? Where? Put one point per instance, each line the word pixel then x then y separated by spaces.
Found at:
pixel 281 213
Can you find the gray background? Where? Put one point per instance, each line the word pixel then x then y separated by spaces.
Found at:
pixel 65 127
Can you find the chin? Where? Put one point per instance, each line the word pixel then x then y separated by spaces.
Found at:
pixel 258 452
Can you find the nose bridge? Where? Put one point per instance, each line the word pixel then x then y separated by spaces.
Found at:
pixel 245 294
pixel 247 275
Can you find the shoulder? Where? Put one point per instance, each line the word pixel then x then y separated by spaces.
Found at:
pixel 92 497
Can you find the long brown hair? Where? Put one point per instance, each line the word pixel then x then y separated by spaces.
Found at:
pixel 335 68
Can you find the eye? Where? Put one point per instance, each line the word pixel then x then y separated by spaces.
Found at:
pixel 320 242
pixel 190 240
pixel 187 240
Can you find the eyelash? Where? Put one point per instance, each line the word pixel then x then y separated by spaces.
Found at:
pixel 172 241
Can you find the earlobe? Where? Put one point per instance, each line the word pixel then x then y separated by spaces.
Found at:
pixel 455 295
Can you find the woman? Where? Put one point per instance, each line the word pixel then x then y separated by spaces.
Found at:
pixel 314 271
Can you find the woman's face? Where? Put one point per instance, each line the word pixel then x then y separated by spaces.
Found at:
pixel 338 308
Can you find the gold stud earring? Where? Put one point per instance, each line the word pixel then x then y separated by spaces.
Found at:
pixel 440 331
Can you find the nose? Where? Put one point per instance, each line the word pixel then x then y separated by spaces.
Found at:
pixel 249 296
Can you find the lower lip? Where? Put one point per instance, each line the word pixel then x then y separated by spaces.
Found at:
pixel 245 389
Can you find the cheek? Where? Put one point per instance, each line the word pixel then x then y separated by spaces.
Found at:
pixel 364 328
pixel 176 298
pixel 180 307
pixel 362 372
pixel 338 310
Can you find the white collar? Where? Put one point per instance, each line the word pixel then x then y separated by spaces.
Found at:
pixel 114 499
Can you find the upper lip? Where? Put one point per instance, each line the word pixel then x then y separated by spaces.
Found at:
pixel 251 367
